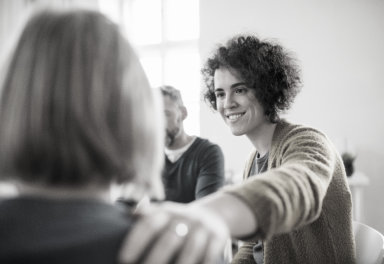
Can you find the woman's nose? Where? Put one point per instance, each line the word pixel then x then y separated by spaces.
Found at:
pixel 229 102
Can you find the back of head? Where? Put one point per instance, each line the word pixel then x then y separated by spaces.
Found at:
pixel 76 107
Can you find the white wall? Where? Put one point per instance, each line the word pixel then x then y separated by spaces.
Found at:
pixel 340 46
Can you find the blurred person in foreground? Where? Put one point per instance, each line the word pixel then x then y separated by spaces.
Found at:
pixel 294 205
pixel 77 118
pixel 193 167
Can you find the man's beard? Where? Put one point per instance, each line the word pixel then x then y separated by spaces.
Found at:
pixel 170 136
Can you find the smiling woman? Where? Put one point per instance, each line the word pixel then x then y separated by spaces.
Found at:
pixel 294 205
pixel 301 198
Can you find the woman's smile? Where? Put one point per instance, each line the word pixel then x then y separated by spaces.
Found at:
pixel 233 117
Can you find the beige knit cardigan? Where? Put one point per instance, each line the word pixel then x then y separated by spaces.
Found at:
pixel 302 203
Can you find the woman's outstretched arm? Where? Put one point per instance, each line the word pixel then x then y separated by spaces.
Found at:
pixel 193 233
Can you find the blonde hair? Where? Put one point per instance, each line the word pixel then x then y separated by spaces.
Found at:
pixel 76 107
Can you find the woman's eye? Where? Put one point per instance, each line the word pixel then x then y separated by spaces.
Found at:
pixel 240 90
pixel 219 95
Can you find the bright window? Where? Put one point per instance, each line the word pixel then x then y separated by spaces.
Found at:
pixel 181 19
pixel 165 34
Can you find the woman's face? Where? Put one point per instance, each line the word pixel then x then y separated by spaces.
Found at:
pixel 237 104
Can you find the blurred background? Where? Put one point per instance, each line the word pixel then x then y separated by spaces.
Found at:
pixel 338 43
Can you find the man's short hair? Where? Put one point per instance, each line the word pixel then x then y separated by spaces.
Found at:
pixel 173 93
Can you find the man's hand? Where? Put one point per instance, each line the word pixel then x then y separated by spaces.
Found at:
pixel 174 233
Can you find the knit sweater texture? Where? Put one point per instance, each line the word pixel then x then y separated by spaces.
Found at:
pixel 302 204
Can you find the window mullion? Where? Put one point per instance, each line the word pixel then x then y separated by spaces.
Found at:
pixel 163 40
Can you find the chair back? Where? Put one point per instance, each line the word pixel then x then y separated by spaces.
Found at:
pixel 369 244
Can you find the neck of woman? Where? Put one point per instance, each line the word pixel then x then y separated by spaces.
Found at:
pixel 262 138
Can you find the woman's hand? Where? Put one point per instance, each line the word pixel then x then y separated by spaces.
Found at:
pixel 175 233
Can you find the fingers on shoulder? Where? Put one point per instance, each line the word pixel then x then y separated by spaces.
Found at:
pixel 142 235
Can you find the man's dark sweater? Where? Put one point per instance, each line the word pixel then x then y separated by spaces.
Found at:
pixel 198 172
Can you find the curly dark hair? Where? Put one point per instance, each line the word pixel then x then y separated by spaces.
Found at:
pixel 265 66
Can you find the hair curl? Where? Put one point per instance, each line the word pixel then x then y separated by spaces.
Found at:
pixel 265 67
